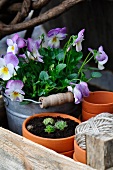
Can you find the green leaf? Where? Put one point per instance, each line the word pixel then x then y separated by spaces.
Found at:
pixel 60 55
pixel 24 79
pixel 79 56
pixel 43 51
pixel 60 67
pixel 83 77
pixel 72 76
pixel 92 68
pixel 96 74
pixel 43 75
pixel 65 82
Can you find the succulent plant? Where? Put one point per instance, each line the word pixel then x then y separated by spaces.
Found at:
pixel 61 124
pixel 49 129
pixel 48 121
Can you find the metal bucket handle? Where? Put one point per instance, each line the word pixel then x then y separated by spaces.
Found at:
pixel 52 100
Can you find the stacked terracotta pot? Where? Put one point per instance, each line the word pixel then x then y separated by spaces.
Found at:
pixel 79 154
pixel 97 102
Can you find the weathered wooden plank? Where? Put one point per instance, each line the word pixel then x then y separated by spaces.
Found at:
pixel 19 153
pixel 100 151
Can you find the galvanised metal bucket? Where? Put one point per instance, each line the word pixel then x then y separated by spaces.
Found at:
pixel 3 117
pixel 17 112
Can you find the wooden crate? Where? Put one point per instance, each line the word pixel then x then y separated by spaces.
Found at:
pixel 19 153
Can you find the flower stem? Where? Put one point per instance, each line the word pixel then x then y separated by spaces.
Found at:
pixel 85 62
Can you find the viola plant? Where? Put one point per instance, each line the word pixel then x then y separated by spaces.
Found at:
pixel 30 70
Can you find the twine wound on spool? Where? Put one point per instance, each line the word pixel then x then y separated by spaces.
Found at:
pixel 101 123
pixel 56 99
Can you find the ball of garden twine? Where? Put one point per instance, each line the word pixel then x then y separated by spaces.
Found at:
pixel 99 124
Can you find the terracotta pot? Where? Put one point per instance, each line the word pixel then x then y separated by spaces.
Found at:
pixel 86 115
pixel 79 154
pixel 68 154
pixel 74 157
pixel 59 145
pixel 96 103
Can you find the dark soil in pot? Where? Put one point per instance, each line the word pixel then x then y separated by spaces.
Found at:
pixel 38 128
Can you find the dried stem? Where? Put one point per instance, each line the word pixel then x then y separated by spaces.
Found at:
pixel 15 26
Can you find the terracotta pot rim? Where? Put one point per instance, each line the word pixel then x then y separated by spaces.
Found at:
pixel 104 104
pixel 47 113
pixel 67 152
pixel 89 113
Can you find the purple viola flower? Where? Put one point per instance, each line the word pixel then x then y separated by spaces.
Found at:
pixel 15 37
pixel 91 50
pixel 11 58
pixel 22 55
pixel 38 42
pixel 15 43
pixel 100 56
pixel 21 42
pixel 80 90
pixel 77 95
pixel 78 41
pixel 14 90
pixel 55 35
pixel 83 87
pixel 33 45
pixel 33 48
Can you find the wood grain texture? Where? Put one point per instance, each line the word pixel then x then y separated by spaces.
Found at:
pixel 19 153
pixel 100 151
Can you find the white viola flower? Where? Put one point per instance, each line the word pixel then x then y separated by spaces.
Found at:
pixel 6 70
pixel 34 56
pixel 14 90
pixel 15 71
pixel 70 88
pixel 12 45
pixel 7 65
pixel 78 41
pixel 15 43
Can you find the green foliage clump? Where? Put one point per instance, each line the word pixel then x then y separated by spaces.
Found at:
pixel 51 126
